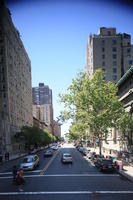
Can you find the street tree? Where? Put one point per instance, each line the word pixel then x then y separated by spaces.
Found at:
pixel 34 136
pixel 92 103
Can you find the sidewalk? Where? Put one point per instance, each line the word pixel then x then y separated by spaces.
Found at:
pixel 127 172
pixel 127 169
pixel 13 158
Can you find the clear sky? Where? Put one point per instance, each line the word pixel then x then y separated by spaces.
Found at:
pixel 55 33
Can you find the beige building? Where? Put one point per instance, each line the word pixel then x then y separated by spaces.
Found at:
pixel 57 128
pixel 44 113
pixel 110 51
pixel 15 82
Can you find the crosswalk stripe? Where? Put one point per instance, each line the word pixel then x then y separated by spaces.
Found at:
pixel 64 175
pixel 65 192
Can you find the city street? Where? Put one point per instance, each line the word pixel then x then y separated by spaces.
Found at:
pixel 54 180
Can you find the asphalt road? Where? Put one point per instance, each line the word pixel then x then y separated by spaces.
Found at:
pixel 53 180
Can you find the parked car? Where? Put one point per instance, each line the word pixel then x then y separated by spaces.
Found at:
pixel 48 153
pixel 66 158
pixel 96 157
pixel 30 162
pixel 80 149
pixel 105 165
pixel 55 147
pixel 85 151
pixel 90 154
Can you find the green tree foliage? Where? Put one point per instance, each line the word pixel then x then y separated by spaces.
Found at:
pixel 34 136
pixel 92 103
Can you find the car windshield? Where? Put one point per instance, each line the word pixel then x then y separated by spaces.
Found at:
pixel 28 160
pixel 67 155
pixel 107 162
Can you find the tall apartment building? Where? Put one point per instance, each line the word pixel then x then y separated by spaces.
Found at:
pixel 111 52
pixel 42 104
pixel 15 82
pixel 42 95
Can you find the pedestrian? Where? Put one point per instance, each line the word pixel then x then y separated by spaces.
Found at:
pixel 7 156
pixel 1 156
pixel 14 172
pixel 20 179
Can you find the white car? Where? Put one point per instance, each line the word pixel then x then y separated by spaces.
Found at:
pixel 30 162
pixel 54 147
pixel 66 158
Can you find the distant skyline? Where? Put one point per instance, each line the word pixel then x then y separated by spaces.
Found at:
pixel 55 34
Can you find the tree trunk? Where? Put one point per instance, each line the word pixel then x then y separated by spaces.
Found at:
pixel 100 146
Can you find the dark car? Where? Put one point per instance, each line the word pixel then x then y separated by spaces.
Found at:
pixel 105 165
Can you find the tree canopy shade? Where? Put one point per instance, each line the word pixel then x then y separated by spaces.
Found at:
pixel 35 136
pixel 92 104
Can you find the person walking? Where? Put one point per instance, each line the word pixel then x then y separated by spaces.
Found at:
pixel 20 179
pixel 1 156
pixel 14 172
pixel 7 156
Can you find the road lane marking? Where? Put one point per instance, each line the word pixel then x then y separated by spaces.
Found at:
pixel 49 163
pixel 81 175
pixel 65 192
pixel 65 175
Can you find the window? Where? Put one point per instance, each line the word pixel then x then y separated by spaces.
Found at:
pixel 114 49
pixel 114 70
pixel 103 56
pixel 114 63
pixel 103 42
pixel 130 62
pixel 114 56
pixel 103 64
pixel 114 42
pixel 1 51
pixel 114 77
pixel 109 33
pixel 103 49
pixel 128 50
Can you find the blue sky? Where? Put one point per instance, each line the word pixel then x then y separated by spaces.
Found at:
pixel 55 33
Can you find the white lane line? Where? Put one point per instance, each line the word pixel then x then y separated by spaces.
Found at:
pixel 65 175
pixel 25 176
pixel 49 163
pixel 82 175
pixel 65 192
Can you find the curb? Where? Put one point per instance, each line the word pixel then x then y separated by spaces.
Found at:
pixel 130 178
pixel 5 163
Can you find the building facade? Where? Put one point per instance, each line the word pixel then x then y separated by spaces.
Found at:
pixel 42 95
pixel 57 129
pixel 44 113
pixel 122 143
pixel 109 51
pixel 15 82
pixel 42 105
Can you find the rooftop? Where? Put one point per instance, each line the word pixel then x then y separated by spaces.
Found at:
pixel 125 76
